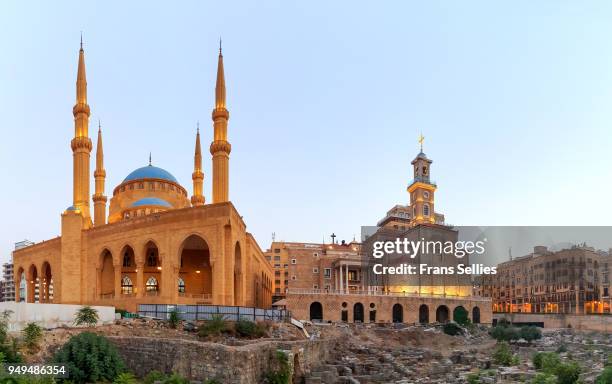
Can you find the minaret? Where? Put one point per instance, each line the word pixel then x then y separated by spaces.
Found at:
pixel 198 176
pixel 81 144
pixel 100 175
pixel 220 148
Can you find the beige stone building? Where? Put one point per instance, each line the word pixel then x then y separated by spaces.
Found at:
pixel 158 244
pixel 337 283
pixel 574 280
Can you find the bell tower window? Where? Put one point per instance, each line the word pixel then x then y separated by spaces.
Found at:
pixel 426 210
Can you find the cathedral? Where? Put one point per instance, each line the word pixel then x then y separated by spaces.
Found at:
pixel 157 245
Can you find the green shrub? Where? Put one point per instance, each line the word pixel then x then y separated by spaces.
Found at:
pixel 11 353
pixel 502 355
pixel 86 315
pixel 125 378
pixel 32 335
pixel 460 316
pixel 248 328
pixel 544 378
pixel 473 378
pixel 562 348
pixel 452 329
pixel 546 361
pixel 213 327
pixel 175 378
pixel 89 358
pixel 4 320
pixel 568 373
pixel 605 377
pixel 530 333
pixel 280 376
pixel 153 376
pixel 173 320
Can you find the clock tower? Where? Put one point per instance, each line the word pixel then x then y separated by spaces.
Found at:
pixel 422 190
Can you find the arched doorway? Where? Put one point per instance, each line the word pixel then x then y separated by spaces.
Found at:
pixel 128 271
pixel 372 313
pixel 476 315
pixel 152 270
pixel 460 315
pixel 107 275
pixel 423 314
pixel 316 311
pixel 442 314
pixel 237 275
pixel 358 313
pixel 398 313
pixel 195 269
pixel 46 289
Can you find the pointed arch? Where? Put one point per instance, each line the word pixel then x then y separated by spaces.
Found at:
pixel 238 275
pixel 106 276
pixel 46 284
pixel 195 268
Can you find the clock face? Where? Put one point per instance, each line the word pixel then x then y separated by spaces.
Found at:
pixel 426 195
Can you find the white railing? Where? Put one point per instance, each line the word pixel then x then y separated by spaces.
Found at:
pixel 300 291
pixel 204 296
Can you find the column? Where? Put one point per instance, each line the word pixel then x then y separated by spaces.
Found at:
pixel 117 280
pixel 341 287
pixel 139 288
pixel 347 279
pixel 336 279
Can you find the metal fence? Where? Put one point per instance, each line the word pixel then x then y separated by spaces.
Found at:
pixel 206 312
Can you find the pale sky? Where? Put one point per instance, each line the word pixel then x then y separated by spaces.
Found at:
pixel 326 102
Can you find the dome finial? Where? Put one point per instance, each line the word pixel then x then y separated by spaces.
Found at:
pixel 150 159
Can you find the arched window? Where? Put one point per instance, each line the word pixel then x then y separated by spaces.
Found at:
pixel 181 285
pixel 126 285
pixel 426 210
pixel 152 285
pixel 22 287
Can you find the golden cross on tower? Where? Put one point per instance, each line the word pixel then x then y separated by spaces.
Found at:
pixel 421 140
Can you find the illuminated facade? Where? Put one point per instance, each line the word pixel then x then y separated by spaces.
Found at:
pixel 574 280
pixel 157 245
pixel 337 283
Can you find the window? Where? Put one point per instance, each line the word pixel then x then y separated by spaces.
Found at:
pixel 315 254
pixel 315 287
pixel 127 288
pixel 315 270
pixel 327 273
pixel 152 285
pixel 276 265
pixel 22 287
pixel 293 277
pixel 293 261
pixel 426 210
pixel 181 285
pixel 276 250
pixel 276 258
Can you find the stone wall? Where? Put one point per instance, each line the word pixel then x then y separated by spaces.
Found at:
pixel 600 323
pixel 197 360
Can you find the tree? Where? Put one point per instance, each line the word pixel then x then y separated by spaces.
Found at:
pixel 89 358
pixel 173 319
pixel 460 316
pixel 32 335
pixel 530 333
pixel 86 315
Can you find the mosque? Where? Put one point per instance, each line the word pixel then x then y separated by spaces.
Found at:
pixel 158 245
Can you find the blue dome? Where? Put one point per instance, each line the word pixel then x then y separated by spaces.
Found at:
pixel 150 172
pixel 151 201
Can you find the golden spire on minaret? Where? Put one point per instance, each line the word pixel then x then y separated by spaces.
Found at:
pixel 99 175
pixel 198 176
pixel 220 148
pixel 81 144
